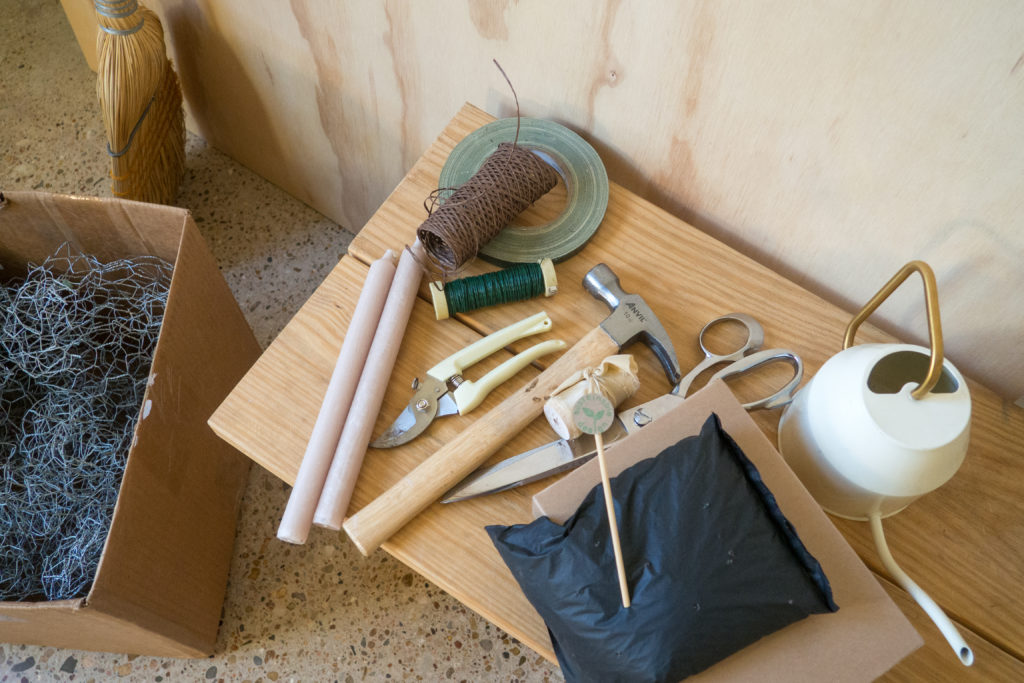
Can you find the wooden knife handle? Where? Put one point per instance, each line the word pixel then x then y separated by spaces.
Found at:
pixel 393 509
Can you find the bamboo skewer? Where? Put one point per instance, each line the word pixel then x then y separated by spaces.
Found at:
pixel 609 503
pixel 594 414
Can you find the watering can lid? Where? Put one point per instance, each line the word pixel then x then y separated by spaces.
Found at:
pixel 927 423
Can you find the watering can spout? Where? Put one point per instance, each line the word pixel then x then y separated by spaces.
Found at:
pixel 949 631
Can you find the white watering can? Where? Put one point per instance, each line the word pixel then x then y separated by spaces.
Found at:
pixel 867 435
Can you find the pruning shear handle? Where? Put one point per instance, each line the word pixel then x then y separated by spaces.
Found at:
pixel 444 392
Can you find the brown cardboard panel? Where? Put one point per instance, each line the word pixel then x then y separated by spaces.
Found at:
pixel 863 640
pixel 63 624
pixel 182 486
pixel 36 222
pixel 163 573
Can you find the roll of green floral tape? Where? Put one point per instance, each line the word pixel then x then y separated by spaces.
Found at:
pixel 581 169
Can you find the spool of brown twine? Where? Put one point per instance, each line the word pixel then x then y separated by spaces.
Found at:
pixel 510 180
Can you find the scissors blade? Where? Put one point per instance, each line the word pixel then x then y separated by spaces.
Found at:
pixel 533 465
pixel 430 400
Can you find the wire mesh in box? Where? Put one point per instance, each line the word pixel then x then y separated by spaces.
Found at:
pixel 76 342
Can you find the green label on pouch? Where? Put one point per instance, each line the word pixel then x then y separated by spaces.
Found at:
pixel 593 413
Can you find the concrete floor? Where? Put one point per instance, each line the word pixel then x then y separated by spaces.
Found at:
pixel 316 612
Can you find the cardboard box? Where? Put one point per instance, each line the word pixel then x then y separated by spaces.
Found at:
pixel 164 569
pixel 864 639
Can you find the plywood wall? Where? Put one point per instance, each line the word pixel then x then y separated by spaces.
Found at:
pixel 834 141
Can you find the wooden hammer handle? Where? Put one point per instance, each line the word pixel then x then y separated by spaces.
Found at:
pixel 394 508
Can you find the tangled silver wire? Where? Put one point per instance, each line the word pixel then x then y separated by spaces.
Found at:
pixel 76 342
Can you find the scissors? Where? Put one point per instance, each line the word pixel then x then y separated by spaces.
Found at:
pixel 444 391
pixel 565 454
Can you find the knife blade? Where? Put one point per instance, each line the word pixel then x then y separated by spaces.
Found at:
pixel 557 456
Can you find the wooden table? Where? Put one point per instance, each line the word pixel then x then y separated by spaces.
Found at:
pixel 963 543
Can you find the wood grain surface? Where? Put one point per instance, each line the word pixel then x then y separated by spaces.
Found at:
pixel 456 459
pixel 962 543
pixel 834 142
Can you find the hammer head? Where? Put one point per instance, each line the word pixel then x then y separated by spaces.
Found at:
pixel 631 319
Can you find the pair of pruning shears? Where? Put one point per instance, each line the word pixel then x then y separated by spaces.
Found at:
pixel 444 391
pixel 565 454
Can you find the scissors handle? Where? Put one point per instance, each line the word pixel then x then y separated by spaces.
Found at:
pixel 754 341
pixel 756 360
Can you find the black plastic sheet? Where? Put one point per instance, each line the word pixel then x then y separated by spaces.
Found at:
pixel 712 565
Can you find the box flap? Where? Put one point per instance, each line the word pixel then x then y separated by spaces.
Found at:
pixel 34 224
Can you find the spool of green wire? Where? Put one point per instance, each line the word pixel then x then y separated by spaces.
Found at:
pixel 517 283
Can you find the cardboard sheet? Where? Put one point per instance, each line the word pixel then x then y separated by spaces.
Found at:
pixel 860 642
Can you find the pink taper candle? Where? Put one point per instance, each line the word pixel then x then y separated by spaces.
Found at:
pixel 309 482
pixel 348 458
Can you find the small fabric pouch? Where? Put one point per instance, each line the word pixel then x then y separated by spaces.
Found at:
pixel 712 565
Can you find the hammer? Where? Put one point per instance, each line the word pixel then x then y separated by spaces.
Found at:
pixel 631 319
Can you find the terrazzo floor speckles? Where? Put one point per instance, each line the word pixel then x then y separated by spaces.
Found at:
pixel 318 612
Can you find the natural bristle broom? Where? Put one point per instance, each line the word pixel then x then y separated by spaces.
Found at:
pixel 141 102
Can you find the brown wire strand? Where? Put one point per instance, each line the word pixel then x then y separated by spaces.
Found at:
pixel 462 220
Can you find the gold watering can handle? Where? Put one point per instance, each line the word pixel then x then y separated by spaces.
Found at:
pixel 931 298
